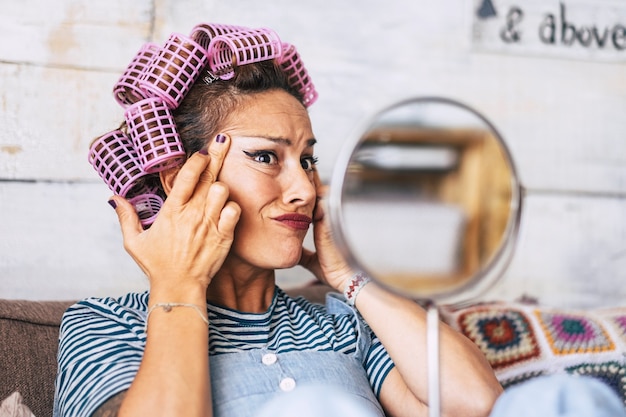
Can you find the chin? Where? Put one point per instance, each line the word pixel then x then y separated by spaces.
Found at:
pixel 286 259
pixel 270 254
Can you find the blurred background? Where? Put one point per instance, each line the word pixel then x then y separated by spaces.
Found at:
pixel 549 75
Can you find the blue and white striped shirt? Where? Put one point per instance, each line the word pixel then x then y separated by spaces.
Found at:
pixel 102 342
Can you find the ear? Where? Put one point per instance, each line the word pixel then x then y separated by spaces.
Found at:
pixel 168 177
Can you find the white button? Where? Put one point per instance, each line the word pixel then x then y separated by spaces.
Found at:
pixel 269 359
pixel 287 384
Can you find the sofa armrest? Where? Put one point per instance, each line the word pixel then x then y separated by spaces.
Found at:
pixel 29 332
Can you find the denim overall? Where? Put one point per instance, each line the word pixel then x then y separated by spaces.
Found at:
pixel 244 382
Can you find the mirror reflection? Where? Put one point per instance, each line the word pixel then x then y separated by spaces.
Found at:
pixel 426 200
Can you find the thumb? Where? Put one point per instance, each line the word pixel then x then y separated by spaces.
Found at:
pixel 307 258
pixel 309 261
pixel 127 216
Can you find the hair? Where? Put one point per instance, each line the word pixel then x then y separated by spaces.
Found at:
pixel 177 98
pixel 207 107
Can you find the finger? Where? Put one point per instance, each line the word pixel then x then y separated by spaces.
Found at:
pixel 216 199
pixel 321 191
pixel 309 261
pixel 228 218
pixel 217 149
pixel 320 208
pixel 127 216
pixel 187 178
pixel 306 258
pixel 316 180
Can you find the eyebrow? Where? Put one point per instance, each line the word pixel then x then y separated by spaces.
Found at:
pixel 282 141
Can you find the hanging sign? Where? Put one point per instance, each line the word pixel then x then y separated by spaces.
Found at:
pixel 593 30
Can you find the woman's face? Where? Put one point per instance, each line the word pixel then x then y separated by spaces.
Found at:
pixel 269 170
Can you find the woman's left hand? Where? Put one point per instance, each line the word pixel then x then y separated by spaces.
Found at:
pixel 327 263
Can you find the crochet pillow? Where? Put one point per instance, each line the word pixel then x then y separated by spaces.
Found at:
pixel 12 406
pixel 524 341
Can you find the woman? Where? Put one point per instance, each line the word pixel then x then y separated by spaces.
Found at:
pixel 237 210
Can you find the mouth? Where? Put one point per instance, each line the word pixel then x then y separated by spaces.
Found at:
pixel 295 221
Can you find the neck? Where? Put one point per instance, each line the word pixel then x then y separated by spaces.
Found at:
pixel 242 288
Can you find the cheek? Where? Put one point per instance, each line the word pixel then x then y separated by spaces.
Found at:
pixel 237 178
pixel 248 188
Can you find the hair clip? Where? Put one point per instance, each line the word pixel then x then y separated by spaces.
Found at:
pixel 115 160
pixel 297 74
pixel 174 70
pixel 127 90
pixel 154 134
pixel 239 48
pixel 209 78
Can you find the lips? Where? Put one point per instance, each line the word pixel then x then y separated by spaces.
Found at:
pixel 295 220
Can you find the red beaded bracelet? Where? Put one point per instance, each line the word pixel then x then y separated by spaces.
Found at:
pixel 356 284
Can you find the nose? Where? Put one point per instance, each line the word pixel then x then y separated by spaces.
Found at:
pixel 298 187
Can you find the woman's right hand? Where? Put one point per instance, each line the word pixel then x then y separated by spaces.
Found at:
pixel 193 232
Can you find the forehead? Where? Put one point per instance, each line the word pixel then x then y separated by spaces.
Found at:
pixel 272 113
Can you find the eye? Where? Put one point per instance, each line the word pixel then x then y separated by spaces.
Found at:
pixel 308 163
pixel 263 157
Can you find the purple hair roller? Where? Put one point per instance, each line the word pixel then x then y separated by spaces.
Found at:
pixel 240 48
pixel 204 33
pixel 153 131
pixel 114 159
pixel 147 206
pixel 174 70
pixel 127 90
pixel 297 74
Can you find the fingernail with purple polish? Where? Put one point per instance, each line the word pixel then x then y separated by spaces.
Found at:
pixel 113 204
pixel 204 151
pixel 220 138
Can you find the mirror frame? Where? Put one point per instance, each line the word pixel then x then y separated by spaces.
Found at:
pixel 486 277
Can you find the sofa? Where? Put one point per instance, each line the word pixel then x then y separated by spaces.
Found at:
pixel 30 332
pixel 521 340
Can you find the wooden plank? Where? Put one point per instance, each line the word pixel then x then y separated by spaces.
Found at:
pixel 562 117
pixel 101 34
pixel 574 29
pixel 563 137
pixel 48 118
pixel 571 252
pixel 62 241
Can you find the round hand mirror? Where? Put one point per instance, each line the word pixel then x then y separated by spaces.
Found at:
pixel 426 200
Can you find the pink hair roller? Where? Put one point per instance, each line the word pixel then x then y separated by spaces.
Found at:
pixel 155 136
pixel 174 70
pixel 204 33
pixel 147 206
pixel 297 74
pixel 240 48
pixel 114 159
pixel 127 90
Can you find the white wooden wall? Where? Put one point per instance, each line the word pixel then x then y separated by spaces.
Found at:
pixel 564 119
